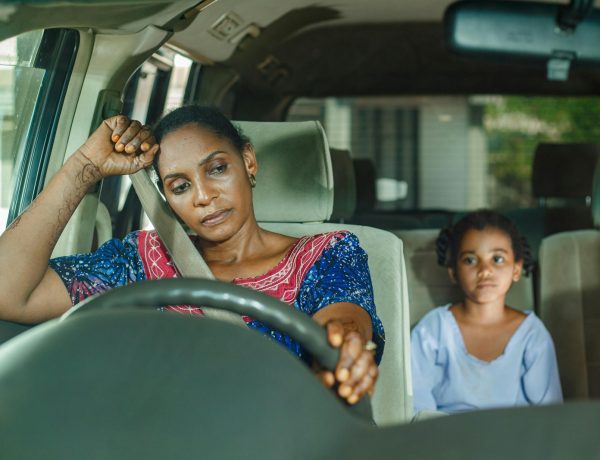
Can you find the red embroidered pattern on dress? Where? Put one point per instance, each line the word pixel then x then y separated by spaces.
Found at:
pixel 159 265
pixel 282 282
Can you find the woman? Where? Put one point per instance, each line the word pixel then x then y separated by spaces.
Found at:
pixel 206 170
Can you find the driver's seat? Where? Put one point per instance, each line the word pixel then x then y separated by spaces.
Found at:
pixel 294 196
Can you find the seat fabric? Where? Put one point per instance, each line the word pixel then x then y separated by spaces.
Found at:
pixel 569 293
pixel 294 166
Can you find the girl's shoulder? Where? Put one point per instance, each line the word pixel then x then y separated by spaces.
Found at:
pixel 433 321
pixel 436 314
pixel 535 329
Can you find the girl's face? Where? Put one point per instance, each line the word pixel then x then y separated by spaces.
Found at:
pixel 206 181
pixel 485 265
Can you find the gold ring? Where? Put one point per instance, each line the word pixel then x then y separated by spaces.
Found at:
pixel 370 346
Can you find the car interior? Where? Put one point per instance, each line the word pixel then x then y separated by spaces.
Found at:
pixel 391 120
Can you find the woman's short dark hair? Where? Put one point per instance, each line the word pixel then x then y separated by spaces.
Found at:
pixel 449 238
pixel 209 118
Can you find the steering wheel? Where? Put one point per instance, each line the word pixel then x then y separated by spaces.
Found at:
pixel 230 297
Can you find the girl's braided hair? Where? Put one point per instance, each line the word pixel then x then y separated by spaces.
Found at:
pixel 449 238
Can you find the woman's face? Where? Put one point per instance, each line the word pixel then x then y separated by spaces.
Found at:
pixel 206 182
pixel 485 265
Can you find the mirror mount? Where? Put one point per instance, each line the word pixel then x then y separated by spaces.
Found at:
pixel 570 16
pixel 558 35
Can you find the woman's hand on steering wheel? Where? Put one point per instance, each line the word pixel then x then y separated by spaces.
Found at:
pixel 356 372
pixel 119 146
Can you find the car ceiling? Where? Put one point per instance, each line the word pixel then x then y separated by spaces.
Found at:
pixel 350 48
pixel 291 48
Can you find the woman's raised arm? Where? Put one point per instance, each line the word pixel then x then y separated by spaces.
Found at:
pixel 31 292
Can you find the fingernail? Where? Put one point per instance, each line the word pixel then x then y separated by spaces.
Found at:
pixel 343 374
pixel 119 147
pixel 353 399
pixel 115 137
pixel 344 391
pixel 145 146
pixel 130 149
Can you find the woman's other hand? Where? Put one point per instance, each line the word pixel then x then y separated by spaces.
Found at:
pixel 119 146
pixel 356 371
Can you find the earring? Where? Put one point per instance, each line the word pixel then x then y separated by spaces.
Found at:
pixel 252 179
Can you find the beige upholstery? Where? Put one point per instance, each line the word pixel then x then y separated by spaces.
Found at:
pixel 294 182
pixel 570 307
pixel 344 185
pixel 429 284
pixel 310 169
pixel 570 302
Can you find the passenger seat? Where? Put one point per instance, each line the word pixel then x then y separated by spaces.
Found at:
pixel 570 302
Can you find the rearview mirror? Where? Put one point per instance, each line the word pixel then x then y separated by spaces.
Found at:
pixel 524 30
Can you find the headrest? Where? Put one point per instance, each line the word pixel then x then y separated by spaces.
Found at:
pixel 294 182
pixel 596 197
pixel 564 170
pixel 344 185
pixel 364 171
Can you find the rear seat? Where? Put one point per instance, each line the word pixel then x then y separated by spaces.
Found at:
pixel 428 283
pixel 344 185
pixel 562 181
pixel 570 305
pixel 367 214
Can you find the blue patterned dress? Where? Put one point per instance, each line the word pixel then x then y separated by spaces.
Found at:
pixel 317 271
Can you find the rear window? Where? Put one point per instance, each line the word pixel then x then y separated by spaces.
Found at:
pixel 455 153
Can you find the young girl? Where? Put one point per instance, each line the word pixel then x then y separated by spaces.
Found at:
pixel 481 353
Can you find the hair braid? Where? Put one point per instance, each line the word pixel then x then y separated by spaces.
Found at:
pixel 442 243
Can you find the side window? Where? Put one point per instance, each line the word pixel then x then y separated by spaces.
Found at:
pixel 164 82
pixel 34 71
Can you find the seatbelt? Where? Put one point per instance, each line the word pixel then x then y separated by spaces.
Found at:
pixel 187 259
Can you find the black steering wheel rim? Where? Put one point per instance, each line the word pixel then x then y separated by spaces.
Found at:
pixel 230 297
pixel 223 296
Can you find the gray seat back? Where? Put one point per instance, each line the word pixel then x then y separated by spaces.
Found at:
pixel 344 185
pixel 569 305
pixel 428 283
pixel 570 308
pixel 301 156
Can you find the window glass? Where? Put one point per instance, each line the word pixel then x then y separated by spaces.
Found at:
pixel 178 82
pixel 452 152
pixel 161 84
pixel 20 83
